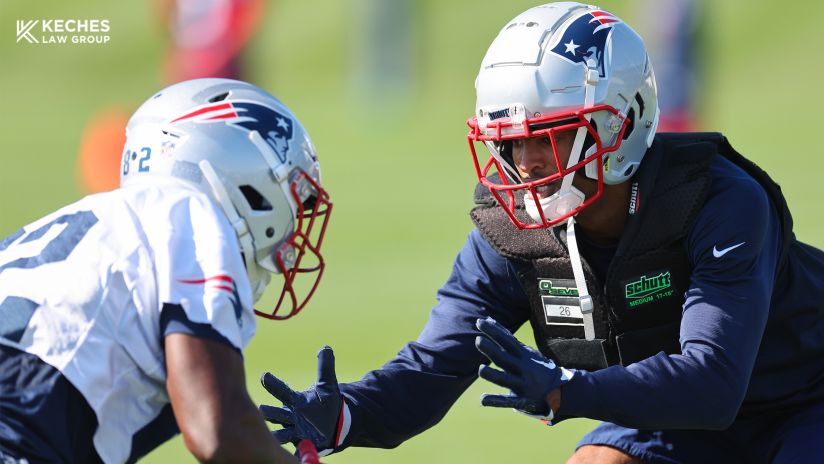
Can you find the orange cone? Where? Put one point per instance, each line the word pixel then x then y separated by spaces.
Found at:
pixel 101 149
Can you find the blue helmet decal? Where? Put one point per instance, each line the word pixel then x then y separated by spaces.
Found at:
pixel 275 128
pixel 585 39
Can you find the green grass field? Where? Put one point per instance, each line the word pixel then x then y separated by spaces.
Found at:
pixel 398 169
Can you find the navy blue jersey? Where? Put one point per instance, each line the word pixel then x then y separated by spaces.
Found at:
pixel 752 338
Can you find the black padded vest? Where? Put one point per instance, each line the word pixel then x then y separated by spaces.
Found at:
pixel 638 308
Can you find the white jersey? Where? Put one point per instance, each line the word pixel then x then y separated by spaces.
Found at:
pixel 85 285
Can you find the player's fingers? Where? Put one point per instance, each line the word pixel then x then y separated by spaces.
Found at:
pixel 278 388
pixel 326 369
pixel 306 429
pixel 517 403
pixel 500 378
pixel 533 409
pixel 499 334
pixel 498 401
pixel 286 435
pixel 511 401
pixel 496 354
pixel 277 415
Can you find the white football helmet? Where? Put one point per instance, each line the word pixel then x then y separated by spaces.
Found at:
pixel 251 155
pixel 563 67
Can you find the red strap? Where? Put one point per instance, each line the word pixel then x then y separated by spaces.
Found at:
pixel 308 452
pixel 340 425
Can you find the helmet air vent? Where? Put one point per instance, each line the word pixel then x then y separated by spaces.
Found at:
pixel 628 171
pixel 219 97
pixel 640 102
pixel 255 199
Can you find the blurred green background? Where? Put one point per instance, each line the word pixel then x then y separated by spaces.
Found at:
pixel 396 162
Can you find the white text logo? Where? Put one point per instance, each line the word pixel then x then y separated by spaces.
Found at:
pixel 63 31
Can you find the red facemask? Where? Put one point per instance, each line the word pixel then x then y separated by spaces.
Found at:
pixel 511 191
pixel 300 255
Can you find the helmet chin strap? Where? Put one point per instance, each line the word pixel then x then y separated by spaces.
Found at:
pixel 555 205
pixel 258 279
pixel 567 197
pixel 580 282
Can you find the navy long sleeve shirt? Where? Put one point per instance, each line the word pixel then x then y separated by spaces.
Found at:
pixel 752 339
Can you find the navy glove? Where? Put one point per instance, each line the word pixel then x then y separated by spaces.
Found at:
pixel 318 414
pixel 527 373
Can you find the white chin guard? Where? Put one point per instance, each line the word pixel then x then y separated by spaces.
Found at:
pixel 554 206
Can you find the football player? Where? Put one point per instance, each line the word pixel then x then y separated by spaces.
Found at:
pixel 123 316
pixel 660 275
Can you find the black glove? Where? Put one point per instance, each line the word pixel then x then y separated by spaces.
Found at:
pixel 318 414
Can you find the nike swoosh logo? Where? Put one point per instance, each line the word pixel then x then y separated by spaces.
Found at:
pixel 719 253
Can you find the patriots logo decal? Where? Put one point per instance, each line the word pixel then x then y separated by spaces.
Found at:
pixel 275 128
pixel 585 38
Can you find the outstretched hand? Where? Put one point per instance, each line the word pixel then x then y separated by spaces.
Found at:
pixel 314 414
pixel 528 375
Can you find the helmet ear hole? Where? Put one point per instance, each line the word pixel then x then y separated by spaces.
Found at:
pixel 256 201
